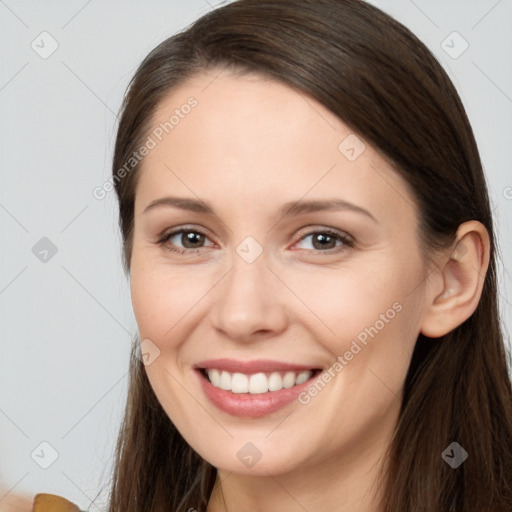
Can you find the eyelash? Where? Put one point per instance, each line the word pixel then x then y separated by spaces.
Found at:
pixel 347 242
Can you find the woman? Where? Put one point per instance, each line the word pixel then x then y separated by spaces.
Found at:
pixel 311 253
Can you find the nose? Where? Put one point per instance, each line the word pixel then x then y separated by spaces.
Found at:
pixel 248 304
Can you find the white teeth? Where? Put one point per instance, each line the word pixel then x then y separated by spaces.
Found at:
pixel 214 377
pixel 289 380
pixel 275 382
pixel 302 377
pixel 225 381
pixel 239 383
pixel 256 383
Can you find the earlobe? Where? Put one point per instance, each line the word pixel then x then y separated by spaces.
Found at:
pixel 463 274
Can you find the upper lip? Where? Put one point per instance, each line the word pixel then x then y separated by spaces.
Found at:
pixel 249 367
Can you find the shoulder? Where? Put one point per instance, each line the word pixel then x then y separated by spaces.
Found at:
pixel 11 502
pixel 52 503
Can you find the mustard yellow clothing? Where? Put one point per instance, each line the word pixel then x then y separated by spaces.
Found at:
pixel 52 503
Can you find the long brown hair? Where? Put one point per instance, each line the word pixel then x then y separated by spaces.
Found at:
pixel 380 80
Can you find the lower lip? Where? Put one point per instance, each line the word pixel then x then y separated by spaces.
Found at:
pixel 249 405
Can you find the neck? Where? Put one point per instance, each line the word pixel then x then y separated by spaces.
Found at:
pixel 346 482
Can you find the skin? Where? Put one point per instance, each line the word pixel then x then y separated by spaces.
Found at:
pixel 11 502
pixel 249 146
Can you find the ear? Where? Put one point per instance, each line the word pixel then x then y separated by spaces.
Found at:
pixel 463 273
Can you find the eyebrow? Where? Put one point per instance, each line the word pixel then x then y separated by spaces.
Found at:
pixel 290 208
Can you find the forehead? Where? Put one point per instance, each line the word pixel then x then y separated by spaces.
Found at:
pixel 257 139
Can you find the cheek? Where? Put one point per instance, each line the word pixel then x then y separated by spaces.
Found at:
pixel 348 301
pixel 165 300
pixel 370 319
pixel 147 303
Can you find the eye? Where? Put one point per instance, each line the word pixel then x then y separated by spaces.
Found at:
pixel 325 240
pixel 192 240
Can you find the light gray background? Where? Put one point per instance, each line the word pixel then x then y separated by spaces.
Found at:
pixel 66 324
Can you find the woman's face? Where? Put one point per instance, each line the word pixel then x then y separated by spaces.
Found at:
pixel 335 282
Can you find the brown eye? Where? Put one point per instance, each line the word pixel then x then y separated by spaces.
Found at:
pixel 326 241
pixel 183 240
pixel 323 241
pixel 190 239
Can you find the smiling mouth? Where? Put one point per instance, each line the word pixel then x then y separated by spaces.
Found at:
pixel 256 383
